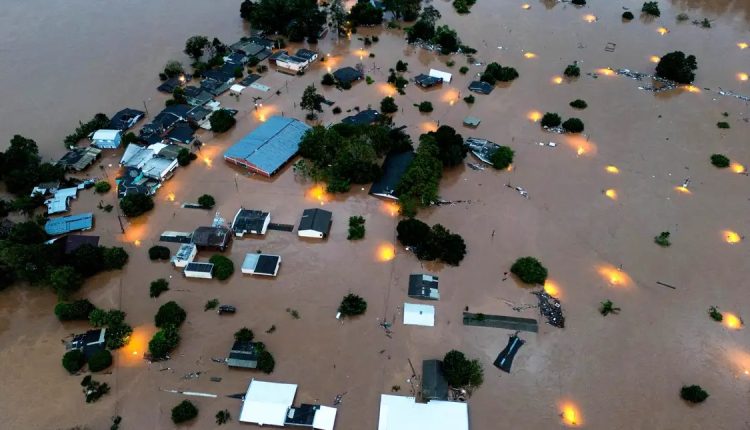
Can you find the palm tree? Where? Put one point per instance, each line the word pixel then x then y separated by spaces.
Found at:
pixel 608 307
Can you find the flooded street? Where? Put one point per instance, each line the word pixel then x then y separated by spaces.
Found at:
pixel 596 202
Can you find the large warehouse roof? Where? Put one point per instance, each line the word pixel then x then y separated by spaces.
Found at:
pixel 267 148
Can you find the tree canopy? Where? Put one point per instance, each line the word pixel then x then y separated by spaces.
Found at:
pixel 460 372
pixel 551 120
pixel 221 120
pixel 77 310
pixel 418 186
pixel 73 360
pixel 388 105
pixel 195 45
pixel 21 167
pixel 184 411
pixel 206 201
pixel 352 305
pixel 573 125
pixel 364 13
pixel 244 334
pixel 451 148
pixel 311 101
pixel 678 67
pixel 693 393
pixel 296 19
pixel 502 157
pixel 529 270
pixel 163 342
pixel 100 360
pixel 133 205
pixel 494 72
pixel 223 266
pixel 431 243
pixel 170 313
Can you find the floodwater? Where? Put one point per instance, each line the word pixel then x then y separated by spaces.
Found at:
pixel 599 372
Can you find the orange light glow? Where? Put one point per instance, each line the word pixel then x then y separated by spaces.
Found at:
pixel 662 30
pixel 390 208
pixel 386 252
pixel 386 89
pixel 131 354
pixel 580 151
pixel 328 69
pixel 682 189
pixel 534 115
pixel 589 18
pixel 529 55
pixel 654 59
pixel 526 6
pixel 737 167
pixel 509 168
pixel 557 80
pixel 264 112
pixel 611 193
pixel 692 89
pixel 742 76
pixel 612 169
pixel 731 236
pixel 207 161
pixel 135 232
pixel 740 360
pixel 580 145
pixel 551 288
pixel 731 320
pixel 570 414
pixel 137 242
pixel 428 126
pixel 742 45
pixel 605 72
pixel 170 197
pixel 614 276
pixel 318 194
pixel 361 53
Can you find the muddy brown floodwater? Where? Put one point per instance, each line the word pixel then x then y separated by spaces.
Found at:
pixel 64 61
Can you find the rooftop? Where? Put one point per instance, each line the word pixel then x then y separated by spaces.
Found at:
pixel 427 81
pixel 423 286
pixel 214 237
pixel 243 354
pixel 261 264
pixel 403 413
pixel 416 314
pixel 80 158
pixel 394 166
pixel 199 267
pixel 75 241
pixel 250 221
pixel 347 74
pixel 66 224
pixel 125 119
pixel 316 219
pixel 434 385
pixel 365 117
pixel 267 402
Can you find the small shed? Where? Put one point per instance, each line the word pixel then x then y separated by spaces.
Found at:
pixel 472 121
pixel 106 139
pixel 185 255
pixel 250 221
pixel 347 75
pixel 481 87
pixel 261 264
pixel 434 385
pixel 67 224
pixel 444 76
pixel 427 81
pixel 365 117
pixel 423 286
pixel 423 315
pixel 244 354
pixel 236 89
pixel 89 343
pixel 212 237
pixel 315 223
pixel 199 270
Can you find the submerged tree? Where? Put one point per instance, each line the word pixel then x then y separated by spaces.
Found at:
pixel 607 307
pixel 352 305
pixel 529 270
pixel 461 372
pixel 693 394
pixel 678 67
pixel 311 101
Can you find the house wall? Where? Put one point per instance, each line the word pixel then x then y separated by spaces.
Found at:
pixel 248 166
pixel 310 233
pixel 204 275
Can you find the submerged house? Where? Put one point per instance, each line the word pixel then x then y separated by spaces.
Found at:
pixel 270 403
pixel 67 224
pixel 147 160
pixel 365 117
pixel 89 343
pixel 244 354
pixel 75 241
pixel 404 413
pixel 434 385
pixel 125 119
pixel 422 315
pixel 197 96
pixel 250 221
pixel 394 167
pixel 133 181
pixel 184 255
pixel 79 159
pixel 106 139
pixel 348 75
pixel 315 223
pixel 212 237
pixel 60 201
pixel 269 147
pixel 482 148
pixel 290 64
pixel 427 81
pixel 199 270
pixel 481 87
pixel 216 82
pixel 261 264
pixel 423 286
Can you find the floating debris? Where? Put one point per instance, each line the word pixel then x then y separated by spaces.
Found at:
pixel 550 308
pixel 482 148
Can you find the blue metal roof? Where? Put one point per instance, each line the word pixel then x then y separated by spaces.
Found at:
pixel 66 224
pixel 270 145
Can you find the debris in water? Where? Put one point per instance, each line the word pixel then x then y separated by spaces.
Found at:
pixel 551 309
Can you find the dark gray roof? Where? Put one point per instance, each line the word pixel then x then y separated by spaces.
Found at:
pixel 197 96
pixel 198 113
pixel 427 81
pixel 305 54
pixel 90 342
pixel 347 74
pixel 125 119
pixel 434 385
pixel 182 133
pixel 249 79
pixel 267 264
pixel 317 220
pixel 481 87
pixel 218 75
pixel 394 166
pixel 243 354
pixel 199 267
pixel 169 85
pixel 73 242
pixel 423 286
pixel 248 220
pixel 304 415
pixel 365 117
pixel 213 237
pixel 278 54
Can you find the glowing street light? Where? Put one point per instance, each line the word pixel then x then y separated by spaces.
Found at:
pixel 571 415
pixel 525 6
pixel 386 252
pixel 742 45
pixel 611 193
pixel 551 288
pixel 731 237
pixel 612 169
pixel 529 55
pixel 534 116
pixel 590 18
pixel 654 59
pixel 557 80
pixel 742 76
pixel 731 321
pixel 662 30
pixel 737 167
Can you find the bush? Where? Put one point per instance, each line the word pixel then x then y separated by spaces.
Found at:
pixel 73 360
pixel 578 104
pixel 401 66
pixel 425 107
pixel 133 205
pixel 157 287
pixel 223 417
pixel 336 110
pixel 266 363
pixel 572 71
pixel 65 280
pixel 221 121
pixel 463 70
pixel 412 232
pixel 460 371
pixel 93 390
pixel 450 63
pixel 529 270
pixel 206 201
pixel 78 310
pixel 720 161
pixel 714 313
pixel 223 267
pixel 163 342
pixel 158 252
pixel 495 72
pixel 100 360
pixel 551 120
pixel 170 313
pixel 502 157
pixel 431 243
pixel 722 124
pixel 184 411
pixel 627 15
pixel 184 157
pixel 677 67
pixel 114 258
pixel 693 394
pixel 118 335
pixel 573 125
pixel 356 228
pixel 369 79
pixel 469 99
pixel 352 305
pixel 662 239
pixel 651 8
pixel 244 335
pixel 328 80
pixel 388 105
pixel 102 187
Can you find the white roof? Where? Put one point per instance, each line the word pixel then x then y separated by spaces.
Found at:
pixel 445 76
pixel 423 315
pixel 267 402
pixel 324 418
pixel 158 167
pixel 236 88
pixel 136 156
pixel 403 413
pixel 59 202
pixel 105 135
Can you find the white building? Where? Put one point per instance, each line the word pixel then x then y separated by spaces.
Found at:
pixel 404 413
pixel 250 221
pixel 415 314
pixel 261 264
pixel 106 139
pixel 445 76
pixel 148 161
pixel 184 255
pixel 315 223
pixel 199 270
pixel 60 201
pixel 270 403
